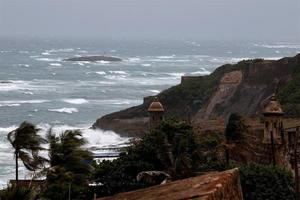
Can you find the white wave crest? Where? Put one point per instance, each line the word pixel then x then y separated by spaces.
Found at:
pixel 101 73
pixel 103 62
pixel 10 105
pixel 279 46
pixel 23 65
pixel 154 91
pixel 117 72
pixel 76 101
pixel 60 50
pixel 11 85
pixel 166 57
pixel 35 101
pixel 64 110
pixel 48 59
pixel 8 129
pixel 55 64
pixel 202 72
pixel 146 65
pixel 134 59
pixel 176 74
pixel 45 53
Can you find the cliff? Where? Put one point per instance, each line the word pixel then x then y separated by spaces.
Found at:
pixel 240 88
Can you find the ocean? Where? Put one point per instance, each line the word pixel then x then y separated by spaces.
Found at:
pixel 36 85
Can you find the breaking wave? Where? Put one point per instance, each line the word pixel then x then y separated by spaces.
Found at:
pixel 64 110
pixel 76 101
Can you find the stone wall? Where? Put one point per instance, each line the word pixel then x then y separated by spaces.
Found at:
pixel 212 186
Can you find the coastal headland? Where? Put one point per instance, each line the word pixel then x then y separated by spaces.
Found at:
pixel 231 88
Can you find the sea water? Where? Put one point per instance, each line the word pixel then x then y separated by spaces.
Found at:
pixel 36 85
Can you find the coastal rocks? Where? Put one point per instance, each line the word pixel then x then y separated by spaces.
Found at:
pixel 94 59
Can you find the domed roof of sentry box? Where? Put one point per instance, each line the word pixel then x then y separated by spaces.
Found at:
pixel 273 107
pixel 156 106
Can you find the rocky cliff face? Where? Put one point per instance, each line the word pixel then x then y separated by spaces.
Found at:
pixel 240 88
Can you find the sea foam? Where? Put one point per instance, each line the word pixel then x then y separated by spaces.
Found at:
pixel 64 110
pixel 76 101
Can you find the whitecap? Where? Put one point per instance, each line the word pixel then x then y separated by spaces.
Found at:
pixel 176 74
pixel 154 91
pixel 106 83
pixel 45 53
pixel 10 105
pixel 34 101
pixel 48 59
pixel 11 85
pixel 146 65
pixel 134 59
pixel 55 64
pixel 76 101
pixel 204 72
pixel 103 62
pixel 23 65
pixel 279 46
pixel 112 77
pixel 117 72
pixel 8 129
pixel 101 73
pixel 166 57
pixel 118 102
pixel 60 50
pixel 182 60
pixel 64 110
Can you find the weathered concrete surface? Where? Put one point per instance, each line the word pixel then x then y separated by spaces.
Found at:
pixel 213 186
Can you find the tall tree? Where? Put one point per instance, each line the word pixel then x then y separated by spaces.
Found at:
pixel 27 144
pixel 70 166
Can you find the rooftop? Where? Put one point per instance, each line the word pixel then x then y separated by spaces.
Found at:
pixel 156 106
pixel 273 107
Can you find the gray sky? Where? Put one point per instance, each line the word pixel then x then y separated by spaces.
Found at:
pixel 163 19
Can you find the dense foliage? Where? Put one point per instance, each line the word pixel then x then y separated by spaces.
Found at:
pixel 171 147
pixel 18 193
pixel 70 166
pixel 235 128
pixel 289 96
pixel 266 182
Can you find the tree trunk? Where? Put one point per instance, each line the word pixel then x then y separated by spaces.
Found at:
pixel 17 166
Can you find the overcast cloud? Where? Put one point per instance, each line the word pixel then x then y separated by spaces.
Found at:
pixel 172 19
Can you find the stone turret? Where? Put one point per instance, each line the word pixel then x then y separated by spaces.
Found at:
pixel 156 112
pixel 273 115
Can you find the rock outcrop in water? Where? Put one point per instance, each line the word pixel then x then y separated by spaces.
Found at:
pixel 95 58
pixel 230 88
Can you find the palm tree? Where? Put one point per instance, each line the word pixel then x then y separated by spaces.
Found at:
pixel 70 165
pixel 27 144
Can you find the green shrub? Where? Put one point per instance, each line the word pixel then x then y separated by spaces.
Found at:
pixel 235 128
pixel 266 182
pixel 18 193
